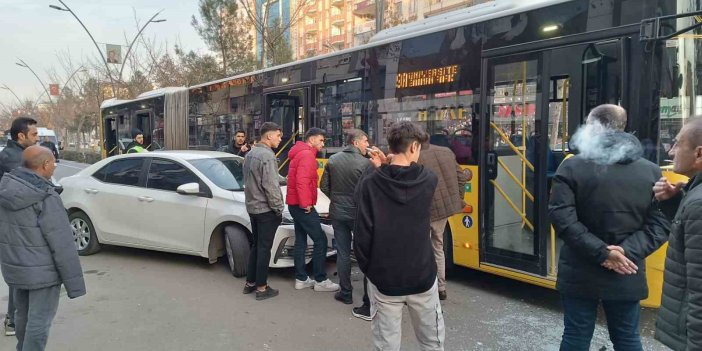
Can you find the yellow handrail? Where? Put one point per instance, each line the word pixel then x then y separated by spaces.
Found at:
pixel 521 185
pixel 514 207
pixel 284 163
pixel 280 151
pixel 504 138
pixel 113 149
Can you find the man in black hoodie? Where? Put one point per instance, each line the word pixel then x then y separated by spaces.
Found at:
pixel 601 207
pixel 392 243
pixel 23 134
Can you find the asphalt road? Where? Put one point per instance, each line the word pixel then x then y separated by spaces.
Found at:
pixel 143 300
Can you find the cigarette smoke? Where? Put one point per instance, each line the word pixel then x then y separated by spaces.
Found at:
pixel 605 146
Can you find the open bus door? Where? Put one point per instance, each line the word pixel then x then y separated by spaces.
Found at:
pixel 288 110
pixel 534 102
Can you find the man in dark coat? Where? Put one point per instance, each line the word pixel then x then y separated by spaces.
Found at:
pixel 23 134
pixel 341 174
pixel 601 207
pixel 37 252
pixel 47 143
pixel 238 146
pixel 679 323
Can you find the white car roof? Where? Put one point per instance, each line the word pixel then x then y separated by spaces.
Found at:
pixel 185 155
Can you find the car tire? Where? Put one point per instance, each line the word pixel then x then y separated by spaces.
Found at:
pixel 84 236
pixel 448 251
pixel 238 249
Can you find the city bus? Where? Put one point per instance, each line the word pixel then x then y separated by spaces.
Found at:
pixel 504 84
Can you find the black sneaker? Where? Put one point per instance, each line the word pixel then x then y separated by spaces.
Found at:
pixel 9 327
pixel 343 298
pixel 248 289
pixel 362 312
pixel 266 294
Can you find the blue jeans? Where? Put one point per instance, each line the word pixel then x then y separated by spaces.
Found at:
pixel 309 224
pixel 579 320
pixel 35 312
pixel 342 234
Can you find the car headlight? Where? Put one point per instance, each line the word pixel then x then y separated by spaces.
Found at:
pixel 287 218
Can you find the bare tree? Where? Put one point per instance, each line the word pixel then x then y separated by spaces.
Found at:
pixel 272 34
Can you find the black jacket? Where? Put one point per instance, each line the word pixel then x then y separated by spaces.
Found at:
pixel 391 232
pixel 236 150
pixel 594 205
pixel 679 323
pixel 341 175
pixel 51 146
pixel 10 157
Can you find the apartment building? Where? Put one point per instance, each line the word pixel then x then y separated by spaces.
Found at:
pixel 332 25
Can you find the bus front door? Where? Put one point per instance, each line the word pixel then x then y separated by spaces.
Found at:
pixel 287 109
pixel 511 235
pixel 535 102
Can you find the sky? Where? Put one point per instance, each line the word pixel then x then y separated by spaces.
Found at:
pixel 36 34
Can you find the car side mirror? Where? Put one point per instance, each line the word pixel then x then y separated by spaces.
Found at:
pixel 189 189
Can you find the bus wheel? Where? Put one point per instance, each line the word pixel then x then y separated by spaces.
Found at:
pixel 238 249
pixel 448 250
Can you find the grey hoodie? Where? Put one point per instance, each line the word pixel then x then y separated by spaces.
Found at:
pixel 36 242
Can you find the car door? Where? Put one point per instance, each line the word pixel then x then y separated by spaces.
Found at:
pixel 113 200
pixel 171 220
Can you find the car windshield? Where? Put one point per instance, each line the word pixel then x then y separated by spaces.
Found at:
pixel 227 173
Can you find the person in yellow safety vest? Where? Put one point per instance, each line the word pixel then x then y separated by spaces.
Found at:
pixel 137 145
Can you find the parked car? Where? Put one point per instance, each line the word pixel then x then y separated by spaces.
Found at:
pixel 189 202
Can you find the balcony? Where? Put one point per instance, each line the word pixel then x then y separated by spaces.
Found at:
pixel 365 28
pixel 337 3
pixel 365 8
pixel 311 29
pixel 310 47
pixel 338 20
pixel 335 40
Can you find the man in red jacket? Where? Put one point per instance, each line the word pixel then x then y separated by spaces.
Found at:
pixel 301 198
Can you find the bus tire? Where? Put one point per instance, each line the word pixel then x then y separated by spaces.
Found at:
pixel 238 249
pixel 448 251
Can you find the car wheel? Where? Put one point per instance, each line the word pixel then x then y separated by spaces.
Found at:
pixel 238 250
pixel 448 250
pixel 83 234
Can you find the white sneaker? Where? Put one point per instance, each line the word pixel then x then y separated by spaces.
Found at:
pixel 326 285
pixel 299 284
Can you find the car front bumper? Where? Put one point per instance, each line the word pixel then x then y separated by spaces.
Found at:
pixel 282 253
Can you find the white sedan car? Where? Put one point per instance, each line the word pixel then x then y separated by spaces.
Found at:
pixel 189 202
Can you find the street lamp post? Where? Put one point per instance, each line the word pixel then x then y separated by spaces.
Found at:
pixel 79 69
pixel 129 49
pixel 104 60
pixel 4 86
pixel 25 65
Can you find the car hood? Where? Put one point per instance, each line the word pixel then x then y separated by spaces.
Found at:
pixel 323 201
pixel 322 205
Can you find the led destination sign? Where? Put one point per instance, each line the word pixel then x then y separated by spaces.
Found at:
pixel 426 77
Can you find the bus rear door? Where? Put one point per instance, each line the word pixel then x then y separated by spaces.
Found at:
pixel 534 102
